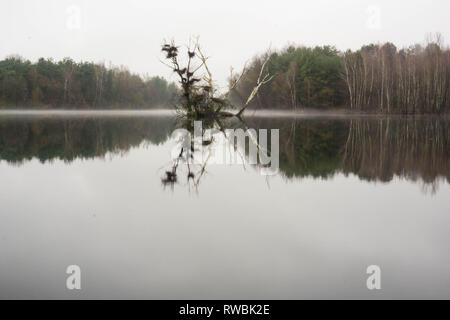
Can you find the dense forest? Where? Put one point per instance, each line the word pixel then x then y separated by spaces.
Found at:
pixel 375 78
pixel 303 77
pixel 85 85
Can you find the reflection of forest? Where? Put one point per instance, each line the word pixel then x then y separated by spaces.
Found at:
pixel 373 149
pixel 409 148
pixel 72 138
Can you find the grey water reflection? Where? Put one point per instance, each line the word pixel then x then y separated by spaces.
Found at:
pixel 374 149
pixel 350 192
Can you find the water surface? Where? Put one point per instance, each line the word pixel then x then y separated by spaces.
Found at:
pixel 90 189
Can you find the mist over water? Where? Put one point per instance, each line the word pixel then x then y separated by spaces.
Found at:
pixel 85 113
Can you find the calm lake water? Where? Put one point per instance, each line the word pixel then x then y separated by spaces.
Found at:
pixel 93 190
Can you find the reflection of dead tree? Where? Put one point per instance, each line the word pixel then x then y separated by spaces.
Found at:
pixel 186 161
pixel 186 166
pixel 171 177
pixel 193 175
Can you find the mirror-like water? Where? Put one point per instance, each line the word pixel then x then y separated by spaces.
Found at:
pixel 88 189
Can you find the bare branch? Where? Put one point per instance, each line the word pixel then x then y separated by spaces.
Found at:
pixel 259 83
pixel 209 77
pixel 234 83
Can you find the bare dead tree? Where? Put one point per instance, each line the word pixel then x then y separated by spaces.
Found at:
pixel 259 82
pixel 199 95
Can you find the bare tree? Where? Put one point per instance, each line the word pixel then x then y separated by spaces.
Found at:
pixel 199 96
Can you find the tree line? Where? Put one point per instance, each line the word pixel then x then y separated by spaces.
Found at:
pixel 411 80
pixel 377 77
pixel 86 85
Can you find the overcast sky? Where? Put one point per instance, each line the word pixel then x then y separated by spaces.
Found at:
pixel 130 32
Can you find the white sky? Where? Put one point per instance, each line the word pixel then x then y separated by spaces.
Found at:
pixel 130 32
